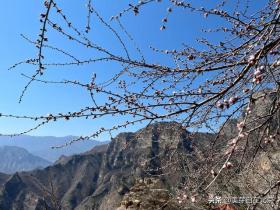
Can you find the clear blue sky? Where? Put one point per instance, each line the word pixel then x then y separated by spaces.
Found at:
pixel 17 16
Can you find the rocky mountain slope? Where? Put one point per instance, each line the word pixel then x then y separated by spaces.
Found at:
pixel 100 178
pixel 15 159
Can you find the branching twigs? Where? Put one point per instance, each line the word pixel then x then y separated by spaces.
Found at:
pixel 90 11
pixel 202 86
pixel 41 40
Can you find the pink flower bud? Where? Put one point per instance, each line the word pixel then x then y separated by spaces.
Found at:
pixel 276 64
pixel 228 165
pixel 213 173
pixel 193 199
pixel 232 142
pixel 220 105
pixel 241 135
pixel 261 68
pixel 257 72
pixel 226 103
pixel 249 109
pixel 240 125
pixel 232 100
pixel 251 59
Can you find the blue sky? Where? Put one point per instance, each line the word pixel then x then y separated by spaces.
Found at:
pixel 22 17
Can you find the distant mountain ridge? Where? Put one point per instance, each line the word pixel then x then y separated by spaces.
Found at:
pixel 14 159
pixel 41 145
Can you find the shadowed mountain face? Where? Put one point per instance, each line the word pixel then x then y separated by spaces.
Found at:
pixel 41 145
pixel 15 159
pixel 100 178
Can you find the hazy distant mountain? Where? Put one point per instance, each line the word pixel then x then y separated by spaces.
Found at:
pixel 41 145
pixel 15 159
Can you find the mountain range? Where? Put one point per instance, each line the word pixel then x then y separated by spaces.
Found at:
pixel 41 146
pixel 14 159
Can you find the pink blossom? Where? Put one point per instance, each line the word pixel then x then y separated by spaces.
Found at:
pixel 241 135
pixel 193 199
pixel 257 72
pixel 220 105
pixel 240 125
pixel 232 100
pixel 226 103
pixel 232 142
pixel 228 165
pixel 251 59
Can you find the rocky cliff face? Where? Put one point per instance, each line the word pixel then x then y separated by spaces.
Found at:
pixel 148 194
pixel 131 156
pixel 100 178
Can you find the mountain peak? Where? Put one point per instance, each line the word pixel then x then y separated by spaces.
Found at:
pixel 19 159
